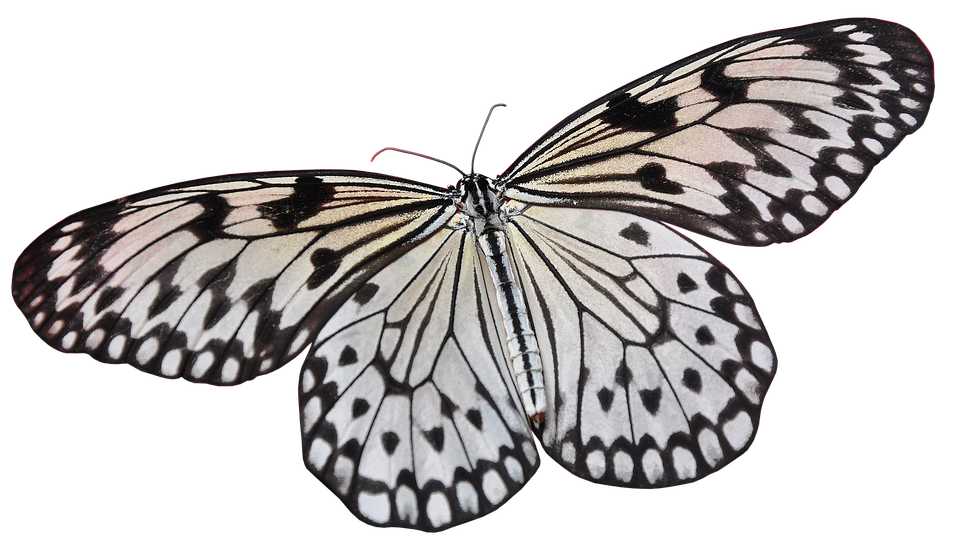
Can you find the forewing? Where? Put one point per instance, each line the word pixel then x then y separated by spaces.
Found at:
pixel 655 360
pixel 754 141
pixel 218 280
pixel 409 413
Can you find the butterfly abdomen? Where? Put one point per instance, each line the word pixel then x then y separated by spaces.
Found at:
pixel 521 342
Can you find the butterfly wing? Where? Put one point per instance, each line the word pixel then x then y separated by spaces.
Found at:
pixel 409 412
pixel 655 359
pixel 218 280
pixel 754 141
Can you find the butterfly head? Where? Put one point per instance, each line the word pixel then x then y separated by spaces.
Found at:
pixel 480 200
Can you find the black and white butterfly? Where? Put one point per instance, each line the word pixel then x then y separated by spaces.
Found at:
pixel 448 326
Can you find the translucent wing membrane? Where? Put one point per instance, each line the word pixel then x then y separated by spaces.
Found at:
pixel 655 362
pixel 655 358
pixel 222 279
pixel 754 141
pixel 409 412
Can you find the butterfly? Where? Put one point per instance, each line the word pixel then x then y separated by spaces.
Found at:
pixel 447 328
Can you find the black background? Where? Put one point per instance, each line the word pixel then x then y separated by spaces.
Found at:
pixel 121 109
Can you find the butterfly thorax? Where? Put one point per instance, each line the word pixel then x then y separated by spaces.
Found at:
pixel 480 202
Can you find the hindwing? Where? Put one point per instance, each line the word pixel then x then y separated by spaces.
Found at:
pixel 409 412
pixel 655 359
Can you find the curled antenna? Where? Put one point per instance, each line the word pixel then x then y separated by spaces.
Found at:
pixel 477 147
pixel 391 148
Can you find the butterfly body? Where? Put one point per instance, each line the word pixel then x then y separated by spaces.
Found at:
pixel 486 217
pixel 637 358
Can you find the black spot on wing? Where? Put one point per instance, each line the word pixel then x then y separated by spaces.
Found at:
pixel 366 293
pixel 390 441
pixel 653 177
pixel 325 262
pixel 308 198
pixel 360 406
pixel 704 336
pixel 475 418
pixel 605 396
pixel 622 376
pixel 435 437
pixel 651 400
pixel 685 283
pixel 348 356
pixel 627 113
pixel 636 233
pixel 691 379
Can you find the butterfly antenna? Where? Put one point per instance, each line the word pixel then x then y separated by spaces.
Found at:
pixel 391 148
pixel 477 147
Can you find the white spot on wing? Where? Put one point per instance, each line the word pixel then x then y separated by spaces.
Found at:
pixel 873 145
pixel 792 224
pixel 850 164
pixel 746 315
pixel 748 385
pixel 467 498
pixel 514 469
pixel 812 204
pixel 710 447
pixel 684 463
pixel 319 453
pixel 438 510
pixel 596 463
pixel 311 413
pixel 406 504
pixel 623 466
pixel 884 129
pixel 308 381
pixel 343 470
pixel 61 244
pixel 762 356
pixel 202 364
pixel 374 506
pixel 738 430
pixel 95 338
pixel 147 350
pixel 115 349
pixel 837 187
pixel 908 119
pixel 652 465
pixel 909 103
pixel 69 339
pixel 170 366
pixel 230 370
pixel 493 487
